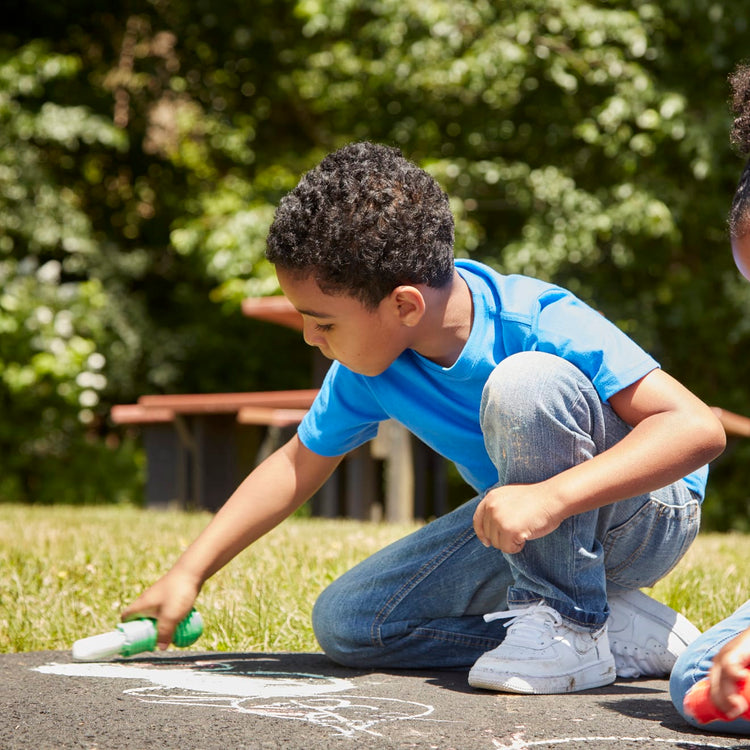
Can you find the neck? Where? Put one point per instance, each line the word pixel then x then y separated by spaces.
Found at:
pixel 446 325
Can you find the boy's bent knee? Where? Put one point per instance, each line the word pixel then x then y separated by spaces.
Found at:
pixel 335 624
pixel 539 414
pixel 522 382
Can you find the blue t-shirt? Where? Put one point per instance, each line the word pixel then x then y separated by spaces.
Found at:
pixel 440 405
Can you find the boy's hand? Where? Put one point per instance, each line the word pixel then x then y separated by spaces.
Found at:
pixel 169 601
pixel 729 667
pixel 509 516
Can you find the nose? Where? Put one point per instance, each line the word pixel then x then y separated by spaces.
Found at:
pixel 310 335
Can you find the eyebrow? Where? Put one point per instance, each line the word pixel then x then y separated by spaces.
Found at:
pixel 313 314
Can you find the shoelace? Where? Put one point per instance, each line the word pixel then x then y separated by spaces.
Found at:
pixel 537 622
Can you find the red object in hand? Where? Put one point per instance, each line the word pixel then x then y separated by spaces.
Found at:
pixel 699 705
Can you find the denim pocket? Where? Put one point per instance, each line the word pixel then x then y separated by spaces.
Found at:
pixel 648 545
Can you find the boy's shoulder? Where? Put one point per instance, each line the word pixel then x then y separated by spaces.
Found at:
pixel 511 292
pixel 491 275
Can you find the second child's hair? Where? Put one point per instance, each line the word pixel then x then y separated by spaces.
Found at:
pixel 362 222
pixel 739 214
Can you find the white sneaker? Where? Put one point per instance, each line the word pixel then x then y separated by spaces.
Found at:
pixel 646 636
pixel 542 654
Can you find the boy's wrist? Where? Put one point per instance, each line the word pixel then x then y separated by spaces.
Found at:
pixel 190 576
pixel 578 490
pixel 558 504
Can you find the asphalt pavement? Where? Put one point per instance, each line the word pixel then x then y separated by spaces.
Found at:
pixel 224 701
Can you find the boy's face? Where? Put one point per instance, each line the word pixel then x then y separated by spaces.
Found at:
pixel 366 341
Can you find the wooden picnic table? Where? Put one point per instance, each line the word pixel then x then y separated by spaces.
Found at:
pixel 413 465
pixel 275 309
pixel 199 446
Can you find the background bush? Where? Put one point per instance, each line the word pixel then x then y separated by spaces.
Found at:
pixel 144 146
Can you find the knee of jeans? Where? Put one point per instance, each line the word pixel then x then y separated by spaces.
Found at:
pixel 337 628
pixel 528 391
pixel 521 383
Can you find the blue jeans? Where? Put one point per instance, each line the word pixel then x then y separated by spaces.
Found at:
pixel 694 663
pixel 419 602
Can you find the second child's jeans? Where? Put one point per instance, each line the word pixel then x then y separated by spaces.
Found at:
pixel 419 602
pixel 695 662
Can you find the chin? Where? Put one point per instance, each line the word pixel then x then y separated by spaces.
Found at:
pixel 369 372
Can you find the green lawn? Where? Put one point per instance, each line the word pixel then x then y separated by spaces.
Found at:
pixel 66 572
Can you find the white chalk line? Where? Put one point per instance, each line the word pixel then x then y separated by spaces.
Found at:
pixel 346 715
pixel 310 698
pixel 317 700
pixel 518 743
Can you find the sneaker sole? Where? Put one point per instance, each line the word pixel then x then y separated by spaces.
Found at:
pixel 595 675
pixel 678 633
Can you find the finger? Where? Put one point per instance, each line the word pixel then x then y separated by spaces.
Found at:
pixel 165 627
pixel 512 546
pixel 736 706
pixel 479 520
pixel 136 610
pixel 721 687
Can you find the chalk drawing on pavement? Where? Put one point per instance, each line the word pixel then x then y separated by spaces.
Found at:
pixel 517 742
pixel 233 686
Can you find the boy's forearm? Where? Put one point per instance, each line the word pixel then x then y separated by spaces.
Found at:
pixel 272 492
pixel 659 451
pixel 673 433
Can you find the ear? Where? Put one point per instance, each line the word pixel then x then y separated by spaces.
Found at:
pixel 408 304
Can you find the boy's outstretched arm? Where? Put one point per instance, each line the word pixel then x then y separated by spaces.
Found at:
pixel 273 491
pixel 674 433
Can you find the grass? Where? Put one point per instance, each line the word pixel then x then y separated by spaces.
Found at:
pixel 66 572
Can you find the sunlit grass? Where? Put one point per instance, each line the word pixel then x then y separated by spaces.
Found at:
pixel 66 573
pixel 711 581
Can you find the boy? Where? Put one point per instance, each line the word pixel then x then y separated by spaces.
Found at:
pixel 587 458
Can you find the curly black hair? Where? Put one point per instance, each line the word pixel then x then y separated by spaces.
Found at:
pixel 739 214
pixel 362 222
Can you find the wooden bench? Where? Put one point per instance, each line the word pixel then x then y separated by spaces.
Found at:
pixel 270 416
pixel 200 446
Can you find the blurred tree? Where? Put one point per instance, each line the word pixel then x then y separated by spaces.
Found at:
pixel 51 317
pixel 582 142
pixel 97 305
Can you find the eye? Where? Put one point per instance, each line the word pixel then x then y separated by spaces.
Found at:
pixel 323 328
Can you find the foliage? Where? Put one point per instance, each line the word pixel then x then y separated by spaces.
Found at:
pixel 91 313
pixel 52 317
pixel 581 141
